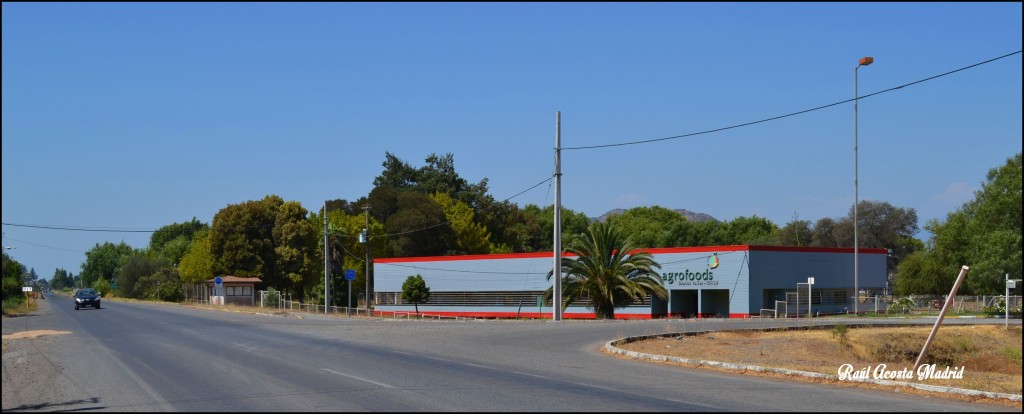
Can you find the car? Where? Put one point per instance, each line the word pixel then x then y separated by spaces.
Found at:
pixel 87 297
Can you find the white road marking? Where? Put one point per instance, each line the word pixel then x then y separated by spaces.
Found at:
pixel 357 378
pixel 528 375
pixel 482 366
pixel 247 348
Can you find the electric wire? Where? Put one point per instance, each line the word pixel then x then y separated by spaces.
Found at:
pixel 116 230
pixel 647 141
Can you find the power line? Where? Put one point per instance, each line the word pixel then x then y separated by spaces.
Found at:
pixel 647 141
pixel 448 221
pixel 78 228
pixel 136 230
pixel 44 246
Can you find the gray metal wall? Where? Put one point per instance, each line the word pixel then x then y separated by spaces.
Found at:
pixel 831 269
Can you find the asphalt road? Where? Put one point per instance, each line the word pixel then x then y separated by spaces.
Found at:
pixel 162 357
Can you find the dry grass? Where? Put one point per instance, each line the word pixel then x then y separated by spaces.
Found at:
pixel 990 355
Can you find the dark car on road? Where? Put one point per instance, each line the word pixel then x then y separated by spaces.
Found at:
pixel 87 297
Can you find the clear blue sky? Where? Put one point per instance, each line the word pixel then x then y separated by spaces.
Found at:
pixel 135 116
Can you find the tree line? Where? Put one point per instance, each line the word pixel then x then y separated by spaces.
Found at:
pixel 431 210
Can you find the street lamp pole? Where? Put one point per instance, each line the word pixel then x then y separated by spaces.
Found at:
pixel 864 61
pixel 366 239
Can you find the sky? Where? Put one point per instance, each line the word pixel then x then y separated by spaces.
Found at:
pixel 126 117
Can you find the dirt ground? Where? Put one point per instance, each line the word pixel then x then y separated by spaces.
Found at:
pixel 990 355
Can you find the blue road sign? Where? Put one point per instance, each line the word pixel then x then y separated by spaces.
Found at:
pixel 350 274
pixel 218 280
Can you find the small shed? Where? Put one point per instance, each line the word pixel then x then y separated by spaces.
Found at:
pixel 236 290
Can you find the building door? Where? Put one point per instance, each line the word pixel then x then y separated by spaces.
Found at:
pixel 714 303
pixel 683 303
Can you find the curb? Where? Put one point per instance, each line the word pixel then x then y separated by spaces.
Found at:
pixel 611 348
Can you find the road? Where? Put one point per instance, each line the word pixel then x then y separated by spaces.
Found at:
pixel 163 357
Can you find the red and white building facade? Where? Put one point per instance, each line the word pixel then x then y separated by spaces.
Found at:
pixel 715 281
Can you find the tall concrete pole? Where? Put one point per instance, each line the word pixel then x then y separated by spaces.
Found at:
pixel 867 60
pixel 327 265
pixel 367 230
pixel 556 300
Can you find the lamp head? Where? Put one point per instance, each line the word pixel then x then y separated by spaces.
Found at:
pixel 867 60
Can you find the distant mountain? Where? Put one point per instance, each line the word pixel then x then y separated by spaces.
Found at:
pixel 694 217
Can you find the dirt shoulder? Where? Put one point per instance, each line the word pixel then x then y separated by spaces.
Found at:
pixel 989 355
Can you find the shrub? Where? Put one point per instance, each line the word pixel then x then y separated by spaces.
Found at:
pixel 272 298
pixel 901 305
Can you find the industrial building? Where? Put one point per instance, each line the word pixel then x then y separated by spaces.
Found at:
pixel 715 281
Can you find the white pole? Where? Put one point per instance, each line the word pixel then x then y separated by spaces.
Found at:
pixel 1006 303
pixel 942 315
pixel 556 300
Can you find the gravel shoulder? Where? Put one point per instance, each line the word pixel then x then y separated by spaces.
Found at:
pixel 32 381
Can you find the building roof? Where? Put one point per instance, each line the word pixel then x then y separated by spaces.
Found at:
pixel 237 279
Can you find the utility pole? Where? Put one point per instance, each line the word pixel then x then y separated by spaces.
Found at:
pixel 366 239
pixel 556 301
pixel 327 263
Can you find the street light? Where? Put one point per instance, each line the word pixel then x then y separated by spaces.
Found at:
pixel 864 61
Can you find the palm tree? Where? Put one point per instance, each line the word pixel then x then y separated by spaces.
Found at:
pixel 607 272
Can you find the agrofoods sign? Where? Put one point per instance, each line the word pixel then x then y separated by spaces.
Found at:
pixel 690 278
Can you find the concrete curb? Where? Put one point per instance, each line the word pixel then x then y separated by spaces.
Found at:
pixel 611 348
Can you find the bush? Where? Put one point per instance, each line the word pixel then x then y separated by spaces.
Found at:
pixel 272 299
pixel 999 309
pixel 901 305
pixel 839 331
pixel 102 287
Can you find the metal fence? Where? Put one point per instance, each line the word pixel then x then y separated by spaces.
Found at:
pixel 790 308
pixel 796 307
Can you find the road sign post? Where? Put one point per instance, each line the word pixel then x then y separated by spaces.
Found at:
pixel 218 288
pixel 350 275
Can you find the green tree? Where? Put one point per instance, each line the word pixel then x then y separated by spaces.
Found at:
pixel 691 234
pixel 346 250
pixel 539 226
pixel 470 237
pixel 12 271
pixel 197 263
pixel 415 291
pixel 985 233
pixel 646 225
pixel 295 243
pixel 419 227
pixel 61 279
pixel 242 241
pixel 172 241
pixel 102 286
pixel 746 230
pixel 797 233
pixel 920 274
pixel 608 273
pixel 103 261
pixel 270 239
pixel 501 219
pixel 163 285
pixel 135 271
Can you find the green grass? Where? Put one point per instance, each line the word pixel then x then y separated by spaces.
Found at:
pixel 909 315
pixel 16 306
